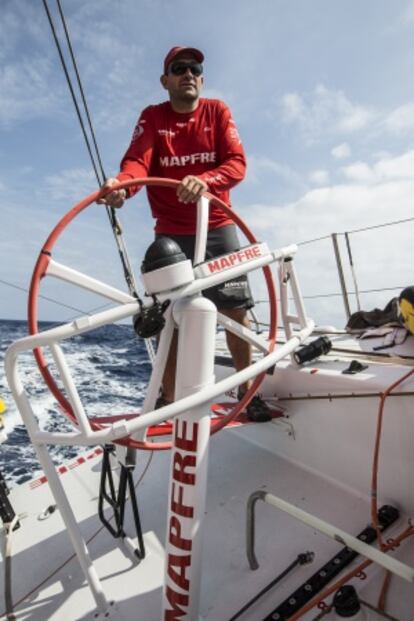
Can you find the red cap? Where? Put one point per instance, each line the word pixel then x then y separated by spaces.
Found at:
pixel 199 56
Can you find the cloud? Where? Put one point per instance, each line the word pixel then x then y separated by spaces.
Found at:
pixel 379 253
pixel 388 168
pixel 359 172
pixel 319 177
pixel 400 120
pixel 293 108
pixel 69 185
pixel 408 14
pixel 25 91
pixel 325 111
pixel 259 165
pixel 341 151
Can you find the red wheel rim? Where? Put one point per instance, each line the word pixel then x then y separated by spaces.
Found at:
pixel 40 271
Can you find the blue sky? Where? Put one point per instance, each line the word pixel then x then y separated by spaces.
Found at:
pixel 323 96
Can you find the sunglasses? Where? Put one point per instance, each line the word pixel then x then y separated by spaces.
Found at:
pixel 181 68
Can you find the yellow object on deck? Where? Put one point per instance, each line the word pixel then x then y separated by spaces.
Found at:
pixel 3 406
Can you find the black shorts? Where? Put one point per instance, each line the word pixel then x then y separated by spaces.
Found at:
pixel 234 293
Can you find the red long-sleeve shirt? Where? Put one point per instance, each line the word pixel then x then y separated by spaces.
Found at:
pixel 204 143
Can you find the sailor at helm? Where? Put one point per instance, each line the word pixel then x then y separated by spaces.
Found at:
pixel 194 140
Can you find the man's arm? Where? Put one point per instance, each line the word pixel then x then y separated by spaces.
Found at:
pixel 232 168
pixel 135 163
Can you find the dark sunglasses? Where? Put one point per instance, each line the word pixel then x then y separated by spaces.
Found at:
pixel 181 68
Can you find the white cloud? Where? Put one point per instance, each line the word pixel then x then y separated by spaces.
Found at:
pixel 257 166
pixel 401 119
pixel 325 111
pixel 70 185
pixel 408 15
pixel 293 108
pixel 319 177
pixel 379 254
pixel 341 151
pixel 25 91
pixel 388 168
pixel 359 172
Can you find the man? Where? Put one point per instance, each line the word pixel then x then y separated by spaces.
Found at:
pixel 193 140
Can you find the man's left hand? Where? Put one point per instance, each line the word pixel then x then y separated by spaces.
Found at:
pixel 190 189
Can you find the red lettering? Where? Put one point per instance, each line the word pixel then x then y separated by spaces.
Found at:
pixel 249 254
pixel 175 600
pixel 179 577
pixel 256 251
pixel 177 504
pixel 214 266
pixel 175 536
pixel 224 262
pixel 180 463
pixel 181 440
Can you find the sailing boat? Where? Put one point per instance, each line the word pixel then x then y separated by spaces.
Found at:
pixel 314 464
pixel 316 468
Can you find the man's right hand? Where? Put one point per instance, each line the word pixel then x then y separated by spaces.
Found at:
pixel 115 198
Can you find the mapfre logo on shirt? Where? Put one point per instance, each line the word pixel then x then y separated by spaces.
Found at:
pixel 208 157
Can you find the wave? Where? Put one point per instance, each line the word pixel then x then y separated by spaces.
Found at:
pixel 110 368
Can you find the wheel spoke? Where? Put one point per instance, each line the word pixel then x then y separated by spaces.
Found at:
pixel 87 282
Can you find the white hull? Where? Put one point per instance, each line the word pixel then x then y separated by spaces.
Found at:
pixel 319 458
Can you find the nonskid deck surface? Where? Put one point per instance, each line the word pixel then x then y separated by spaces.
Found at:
pixel 237 468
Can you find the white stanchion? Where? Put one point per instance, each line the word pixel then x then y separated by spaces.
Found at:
pixel 196 318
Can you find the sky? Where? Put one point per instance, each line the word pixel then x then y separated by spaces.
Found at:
pixel 322 94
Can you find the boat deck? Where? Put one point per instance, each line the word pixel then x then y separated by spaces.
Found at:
pixel 48 582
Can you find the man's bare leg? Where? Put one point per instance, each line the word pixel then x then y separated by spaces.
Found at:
pixel 168 380
pixel 241 350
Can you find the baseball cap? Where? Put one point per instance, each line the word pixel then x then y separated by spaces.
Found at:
pixel 174 51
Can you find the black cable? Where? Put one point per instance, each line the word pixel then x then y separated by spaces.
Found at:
pixel 379 226
pixel 85 105
pixel 62 59
pixel 44 297
pixel 361 230
pixel 116 228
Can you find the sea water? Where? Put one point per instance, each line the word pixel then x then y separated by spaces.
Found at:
pixel 110 367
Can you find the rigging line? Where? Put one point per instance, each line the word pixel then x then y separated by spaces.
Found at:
pixel 72 92
pixel 58 302
pixel 310 241
pixel 379 226
pixel 116 227
pixel 366 228
pixel 85 105
pixel 335 295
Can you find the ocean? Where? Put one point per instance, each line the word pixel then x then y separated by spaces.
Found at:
pixel 111 369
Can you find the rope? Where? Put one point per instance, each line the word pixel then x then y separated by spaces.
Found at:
pixel 115 224
pixel 379 226
pixel 72 92
pixel 62 17
pixel 365 228
pixel 45 297
pixel 335 295
pixel 8 598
